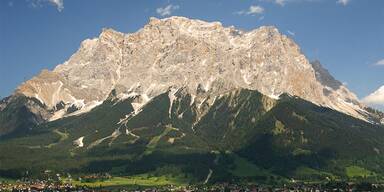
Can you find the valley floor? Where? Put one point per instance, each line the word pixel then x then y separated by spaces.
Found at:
pixel 146 183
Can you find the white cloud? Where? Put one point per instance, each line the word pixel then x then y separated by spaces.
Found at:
pixel 58 3
pixel 375 98
pixel 164 11
pixel 34 3
pixel 252 10
pixel 255 9
pixel 291 33
pixel 343 2
pixel 280 2
pixel 283 2
pixel 380 62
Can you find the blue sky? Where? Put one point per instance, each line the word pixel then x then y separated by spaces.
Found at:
pixel 347 36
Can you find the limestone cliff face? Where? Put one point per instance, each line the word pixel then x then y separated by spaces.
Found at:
pixel 204 58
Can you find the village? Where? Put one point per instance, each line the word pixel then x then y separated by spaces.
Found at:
pixel 58 184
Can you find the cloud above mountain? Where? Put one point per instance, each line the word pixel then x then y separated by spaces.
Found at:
pixel 380 62
pixel 279 2
pixel 59 4
pixel 375 98
pixel 284 2
pixel 343 2
pixel 291 33
pixel 167 10
pixel 252 10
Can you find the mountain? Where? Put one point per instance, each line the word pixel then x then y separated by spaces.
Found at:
pixel 190 97
pixel 206 58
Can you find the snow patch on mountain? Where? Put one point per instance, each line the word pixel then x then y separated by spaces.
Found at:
pixel 79 142
pixel 172 97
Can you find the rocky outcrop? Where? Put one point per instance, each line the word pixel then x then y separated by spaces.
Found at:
pixel 20 114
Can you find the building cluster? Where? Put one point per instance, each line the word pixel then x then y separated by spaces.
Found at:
pixel 293 187
pixel 95 177
pixel 41 185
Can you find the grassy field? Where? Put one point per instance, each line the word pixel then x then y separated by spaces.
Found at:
pixel 356 171
pixel 137 180
pixel 6 180
pixel 306 174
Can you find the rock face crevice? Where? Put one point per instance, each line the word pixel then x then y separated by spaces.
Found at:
pixel 202 57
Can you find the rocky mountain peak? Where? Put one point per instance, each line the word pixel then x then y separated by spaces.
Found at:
pixel 109 35
pixel 205 58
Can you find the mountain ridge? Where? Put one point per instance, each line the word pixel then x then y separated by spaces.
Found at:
pixel 206 58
